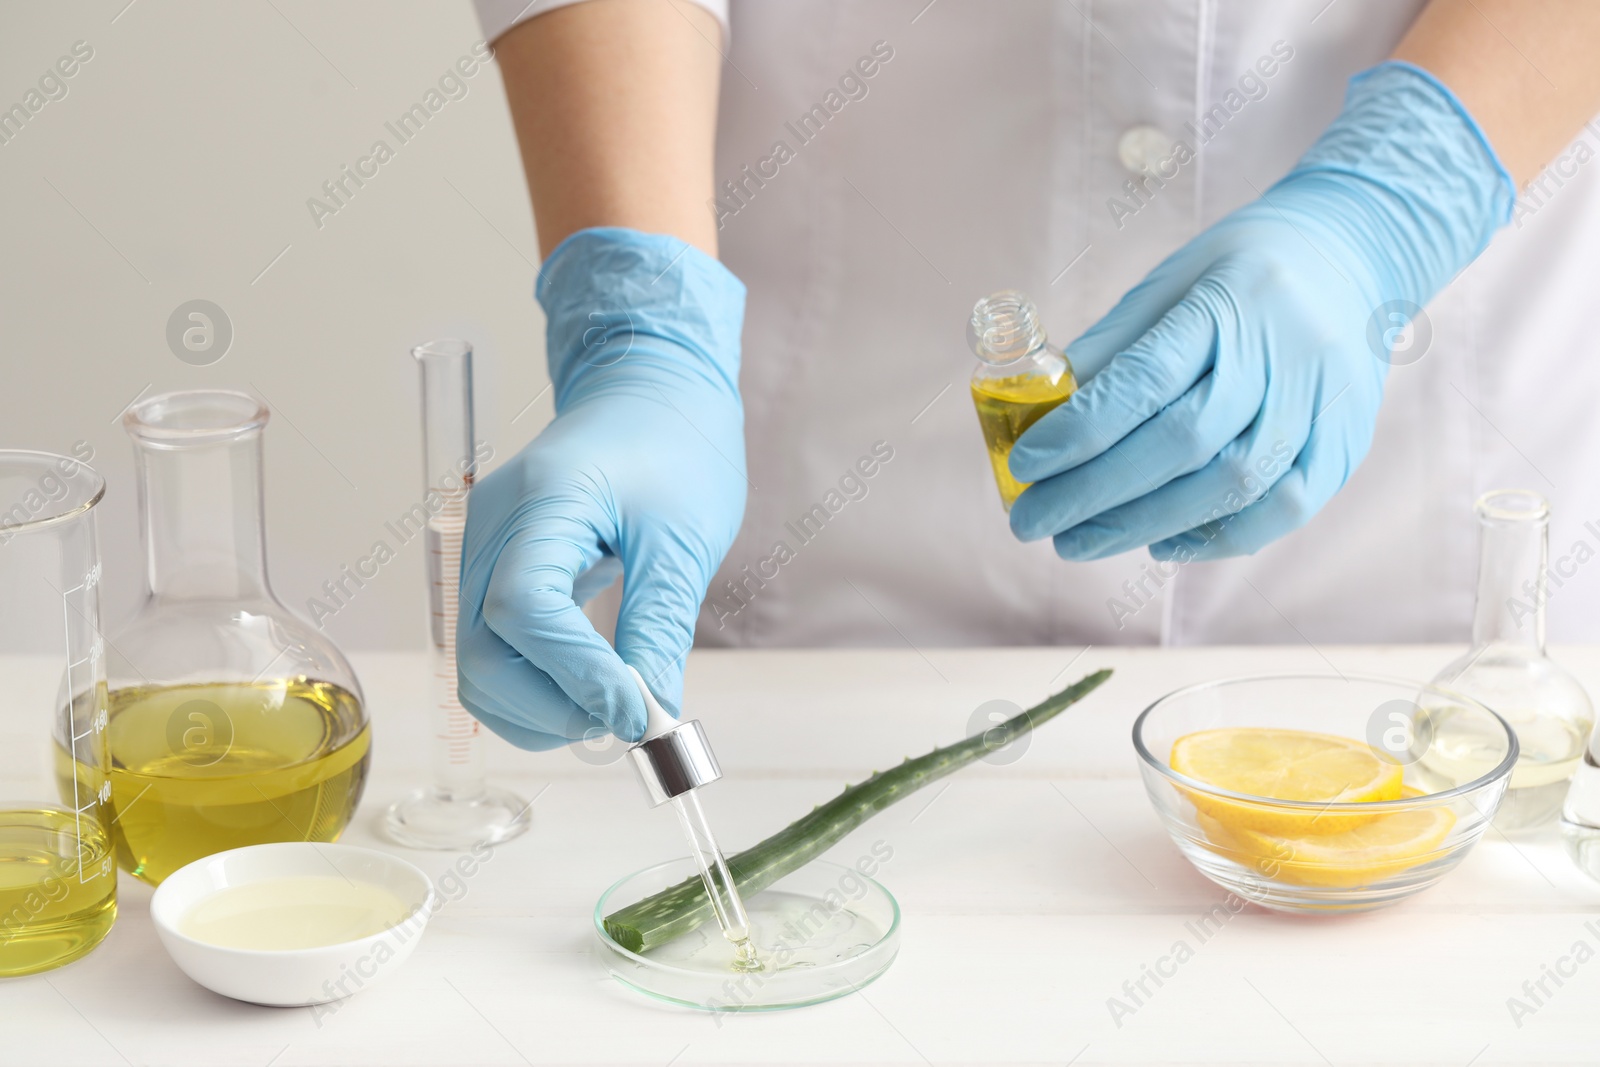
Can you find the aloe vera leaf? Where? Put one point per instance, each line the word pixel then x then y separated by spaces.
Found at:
pixel 675 911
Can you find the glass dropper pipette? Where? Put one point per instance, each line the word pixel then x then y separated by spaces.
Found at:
pixel 673 760
pixel 459 808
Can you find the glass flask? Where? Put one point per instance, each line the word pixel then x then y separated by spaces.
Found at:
pixel 1018 379
pixel 1507 667
pixel 232 722
pixel 58 883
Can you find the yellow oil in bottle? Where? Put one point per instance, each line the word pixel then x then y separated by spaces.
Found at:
pixel 58 887
pixel 1008 406
pixel 197 769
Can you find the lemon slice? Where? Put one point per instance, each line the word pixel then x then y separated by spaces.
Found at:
pixel 1285 765
pixel 1361 856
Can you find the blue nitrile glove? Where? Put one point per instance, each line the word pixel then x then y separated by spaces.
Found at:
pixel 1232 392
pixel 643 465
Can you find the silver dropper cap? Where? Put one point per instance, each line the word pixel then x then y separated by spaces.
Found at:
pixel 674 757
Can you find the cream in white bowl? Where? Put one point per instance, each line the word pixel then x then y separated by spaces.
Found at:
pixel 292 924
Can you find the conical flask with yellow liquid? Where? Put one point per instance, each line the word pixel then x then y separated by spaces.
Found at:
pixel 1019 377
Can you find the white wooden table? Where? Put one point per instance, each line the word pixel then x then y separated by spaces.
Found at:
pixel 1031 893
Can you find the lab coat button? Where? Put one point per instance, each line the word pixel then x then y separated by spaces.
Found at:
pixel 1142 148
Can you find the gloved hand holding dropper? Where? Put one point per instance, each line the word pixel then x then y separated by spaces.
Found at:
pixel 643 466
pixel 642 469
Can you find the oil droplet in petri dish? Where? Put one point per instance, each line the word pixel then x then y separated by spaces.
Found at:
pixel 788 931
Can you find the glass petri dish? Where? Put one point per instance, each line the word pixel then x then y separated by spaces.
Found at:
pixel 823 931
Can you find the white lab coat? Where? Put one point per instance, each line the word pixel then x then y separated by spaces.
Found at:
pixel 991 149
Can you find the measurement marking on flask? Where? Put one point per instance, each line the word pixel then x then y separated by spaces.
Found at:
pixel 96 723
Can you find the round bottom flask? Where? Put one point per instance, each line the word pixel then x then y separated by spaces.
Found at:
pixel 231 721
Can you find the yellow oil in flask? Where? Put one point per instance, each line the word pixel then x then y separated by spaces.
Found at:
pixel 58 888
pixel 197 769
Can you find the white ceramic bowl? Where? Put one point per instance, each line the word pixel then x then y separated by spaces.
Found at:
pixel 292 977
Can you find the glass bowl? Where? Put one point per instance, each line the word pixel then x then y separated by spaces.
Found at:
pixel 823 931
pixel 1456 756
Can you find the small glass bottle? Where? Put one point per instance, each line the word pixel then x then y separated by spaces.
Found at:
pixel 1018 379
pixel 232 722
pixel 1507 667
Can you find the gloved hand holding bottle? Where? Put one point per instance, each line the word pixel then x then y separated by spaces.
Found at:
pixel 643 466
pixel 1232 392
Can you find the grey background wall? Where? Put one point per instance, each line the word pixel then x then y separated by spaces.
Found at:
pixel 175 164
